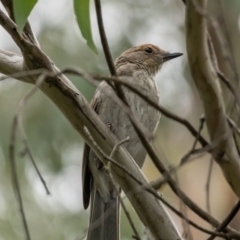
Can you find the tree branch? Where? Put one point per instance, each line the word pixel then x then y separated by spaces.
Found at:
pixel 206 80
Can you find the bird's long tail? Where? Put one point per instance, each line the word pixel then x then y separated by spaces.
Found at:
pixel 104 218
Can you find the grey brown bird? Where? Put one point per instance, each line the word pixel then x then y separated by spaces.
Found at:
pixel 138 66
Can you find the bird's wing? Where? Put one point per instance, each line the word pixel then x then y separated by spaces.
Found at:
pixel 86 174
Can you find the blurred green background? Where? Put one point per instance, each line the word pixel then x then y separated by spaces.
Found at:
pixel 57 147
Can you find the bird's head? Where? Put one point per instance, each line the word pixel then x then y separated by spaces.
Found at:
pixel 146 57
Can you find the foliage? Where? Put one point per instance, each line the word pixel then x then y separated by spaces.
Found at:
pixel 22 9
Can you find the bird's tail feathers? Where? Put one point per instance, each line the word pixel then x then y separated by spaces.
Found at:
pixel 104 218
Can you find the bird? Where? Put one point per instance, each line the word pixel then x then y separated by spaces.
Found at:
pixel 138 66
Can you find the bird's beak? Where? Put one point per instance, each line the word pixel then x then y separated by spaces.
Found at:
pixel 169 56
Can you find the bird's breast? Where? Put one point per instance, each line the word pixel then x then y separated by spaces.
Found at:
pixel 113 115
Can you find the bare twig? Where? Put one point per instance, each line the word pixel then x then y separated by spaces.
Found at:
pixel 180 214
pixel 109 158
pixel 207 186
pixel 164 179
pixel 104 39
pixel 187 234
pixel 202 121
pixel 185 159
pixel 18 117
pixel 233 125
pixel 108 168
pixel 29 152
pixel 227 220
pixel 118 145
pixel 16 186
pixel 228 46
pixel 27 73
pixel 224 79
pixel 195 152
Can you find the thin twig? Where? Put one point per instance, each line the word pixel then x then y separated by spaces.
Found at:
pixel 224 79
pixel 118 145
pixel 228 53
pixel 108 57
pixel 136 234
pixel 227 220
pixel 233 125
pixel 29 153
pixel 207 187
pixel 235 130
pixel 15 182
pixel 21 128
pixel 16 186
pixel 183 216
pixel 89 136
pixel 184 159
pixel 228 45
pixel 27 73
pixel 15 125
pixel 202 121
pixel 104 39
pixel 198 152
pixel 108 169
pixel 187 233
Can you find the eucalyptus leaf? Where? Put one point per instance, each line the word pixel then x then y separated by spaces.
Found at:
pixel 22 9
pixel 82 11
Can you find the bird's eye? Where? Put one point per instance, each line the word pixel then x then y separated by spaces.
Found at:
pixel 148 50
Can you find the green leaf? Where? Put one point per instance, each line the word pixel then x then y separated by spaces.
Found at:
pixel 22 9
pixel 82 11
